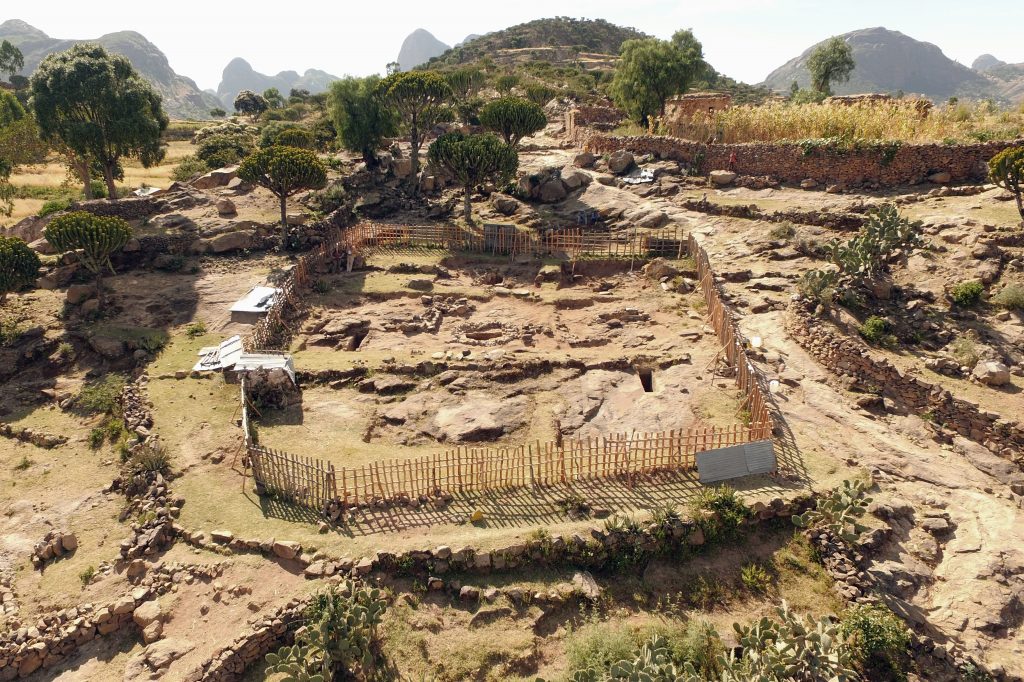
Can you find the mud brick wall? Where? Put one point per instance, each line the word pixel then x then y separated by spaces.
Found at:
pixel 850 357
pixel 586 116
pixel 790 162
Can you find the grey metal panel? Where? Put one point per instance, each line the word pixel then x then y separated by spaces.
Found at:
pixel 721 464
pixel 736 461
pixel 760 457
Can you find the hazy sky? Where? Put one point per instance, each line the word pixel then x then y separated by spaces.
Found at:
pixel 744 39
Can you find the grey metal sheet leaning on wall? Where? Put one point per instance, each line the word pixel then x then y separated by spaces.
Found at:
pixel 724 464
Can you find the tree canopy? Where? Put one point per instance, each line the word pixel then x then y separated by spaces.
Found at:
pixel 274 98
pixel 360 115
pixel 94 237
pixel 413 94
pixel 11 59
pixel 831 62
pixel 465 82
pixel 97 106
pixel 249 103
pixel 651 70
pixel 285 171
pixel 513 118
pixel 19 265
pixel 6 188
pixel 10 109
pixel 473 160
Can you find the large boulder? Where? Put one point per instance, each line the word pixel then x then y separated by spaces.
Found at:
pixel 584 160
pixel 991 373
pixel 620 162
pixel 553 190
pixel 574 179
pixel 402 167
pixel 80 293
pixel 940 178
pixel 218 178
pixel 226 207
pixel 42 246
pixel 504 204
pixel 722 177
pixel 232 241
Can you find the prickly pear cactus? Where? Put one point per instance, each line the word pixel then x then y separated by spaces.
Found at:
pixel 839 511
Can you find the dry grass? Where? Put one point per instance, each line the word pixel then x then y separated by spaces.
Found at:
pixel 895 121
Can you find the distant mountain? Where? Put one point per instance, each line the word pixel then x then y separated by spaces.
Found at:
pixel 182 97
pixel 557 39
pixel 418 47
pixel 471 36
pixel 239 75
pixel 889 61
pixel 986 62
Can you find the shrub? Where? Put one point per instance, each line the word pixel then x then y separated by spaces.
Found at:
pixel 965 351
pixel 705 592
pixel 54 206
pixel 719 512
pixel 19 265
pixel 149 458
pixel 597 646
pixel 101 396
pixel 224 149
pixel 287 134
pixel 1010 297
pixel 782 231
pixel 755 578
pixel 86 575
pixel 65 350
pixel 10 332
pixel 967 294
pixel 878 638
pixel 819 285
pixel 188 167
pixel 875 330
pixel 195 329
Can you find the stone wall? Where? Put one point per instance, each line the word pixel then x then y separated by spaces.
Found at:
pixel 851 358
pixel 268 633
pixel 887 165
pixel 584 117
pixel 130 208
pixel 696 103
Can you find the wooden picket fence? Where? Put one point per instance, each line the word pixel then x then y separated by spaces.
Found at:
pixel 315 484
pixel 305 481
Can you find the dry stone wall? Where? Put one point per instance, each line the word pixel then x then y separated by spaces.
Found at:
pixel 849 357
pixel 887 165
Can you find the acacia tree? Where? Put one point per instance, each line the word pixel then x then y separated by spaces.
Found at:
pixel 651 70
pixel 360 116
pixel 97 106
pixel 513 118
pixel 415 94
pixel 1006 169
pixel 285 171
pixel 19 265
pixel 93 237
pixel 831 62
pixel 249 103
pixel 11 59
pixel 473 160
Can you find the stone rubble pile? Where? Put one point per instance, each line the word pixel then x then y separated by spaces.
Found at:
pixel 53 545
pixel 28 435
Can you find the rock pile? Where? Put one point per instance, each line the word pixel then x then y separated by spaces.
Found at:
pixel 27 435
pixel 138 418
pixel 54 545
pixel 157 508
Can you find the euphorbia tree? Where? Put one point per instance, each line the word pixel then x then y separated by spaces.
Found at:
pixel 285 171
pixel 1006 169
pixel 19 265
pixel 513 118
pixel 413 94
pixel 93 237
pixel 473 160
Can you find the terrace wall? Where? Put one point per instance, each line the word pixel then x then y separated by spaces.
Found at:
pixel 882 164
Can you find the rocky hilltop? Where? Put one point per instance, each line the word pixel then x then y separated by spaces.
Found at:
pixel 182 97
pixel 418 47
pixel 239 75
pixel 889 61
pixel 575 35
